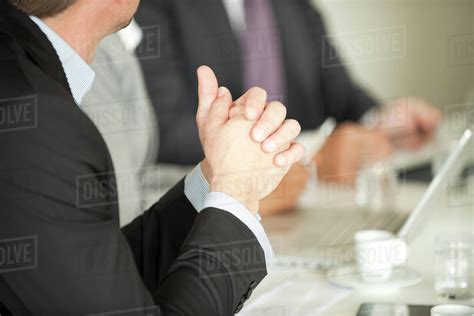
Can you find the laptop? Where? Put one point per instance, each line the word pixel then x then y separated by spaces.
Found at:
pixel 321 238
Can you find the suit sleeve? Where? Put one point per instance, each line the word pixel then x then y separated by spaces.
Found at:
pixel 343 98
pixel 169 85
pixel 207 268
pixel 67 259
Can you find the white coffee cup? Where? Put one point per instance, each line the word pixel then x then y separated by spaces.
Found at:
pixel 377 252
pixel 452 310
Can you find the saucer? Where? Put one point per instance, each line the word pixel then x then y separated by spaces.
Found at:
pixel 349 277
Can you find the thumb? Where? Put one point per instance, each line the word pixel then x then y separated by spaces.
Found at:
pixel 207 91
pixel 220 108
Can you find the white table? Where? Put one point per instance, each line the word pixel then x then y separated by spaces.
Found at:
pixel 285 291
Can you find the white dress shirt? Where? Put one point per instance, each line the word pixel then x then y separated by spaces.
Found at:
pixel 80 77
pixel 236 13
pixel 79 74
pixel 131 36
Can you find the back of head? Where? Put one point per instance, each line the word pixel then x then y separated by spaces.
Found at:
pixel 42 8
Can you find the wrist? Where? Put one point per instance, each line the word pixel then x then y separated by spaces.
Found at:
pixel 206 171
pixel 238 192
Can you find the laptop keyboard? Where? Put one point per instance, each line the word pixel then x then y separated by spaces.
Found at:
pixel 341 230
pixel 324 239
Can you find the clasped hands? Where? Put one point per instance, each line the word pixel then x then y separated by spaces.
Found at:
pixel 249 145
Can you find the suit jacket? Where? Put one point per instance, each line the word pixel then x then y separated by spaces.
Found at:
pixel 62 251
pixel 194 33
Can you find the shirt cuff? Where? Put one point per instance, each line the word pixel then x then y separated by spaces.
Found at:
pixel 229 204
pixel 196 189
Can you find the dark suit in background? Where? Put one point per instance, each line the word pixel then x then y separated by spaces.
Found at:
pixel 52 154
pixel 197 32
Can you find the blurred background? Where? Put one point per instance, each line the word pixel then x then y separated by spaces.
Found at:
pixel 429 46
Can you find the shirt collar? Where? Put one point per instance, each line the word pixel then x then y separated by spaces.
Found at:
pixel 131 36
pixel 79 74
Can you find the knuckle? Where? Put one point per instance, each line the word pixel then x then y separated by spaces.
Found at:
pixel 266 124
pixel 270 121
pixel 278 139
pixel 236 110
pixel 259 92
pixel 290 157
pixel 222 101
pixel 285 146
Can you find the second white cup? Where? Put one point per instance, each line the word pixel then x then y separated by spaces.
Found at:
pixel 452 310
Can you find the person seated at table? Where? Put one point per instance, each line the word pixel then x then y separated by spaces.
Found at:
pixel 282 46
pixel 57 182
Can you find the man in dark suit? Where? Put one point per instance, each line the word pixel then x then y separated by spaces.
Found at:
pixel 61 249
pixel 242 38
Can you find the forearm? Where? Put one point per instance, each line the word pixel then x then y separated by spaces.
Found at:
pixel 156 237
pixel 213 274
pixel 195 266
pixel 172 218
pixel 197 190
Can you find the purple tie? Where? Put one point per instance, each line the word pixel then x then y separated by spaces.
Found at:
pixel 261 50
